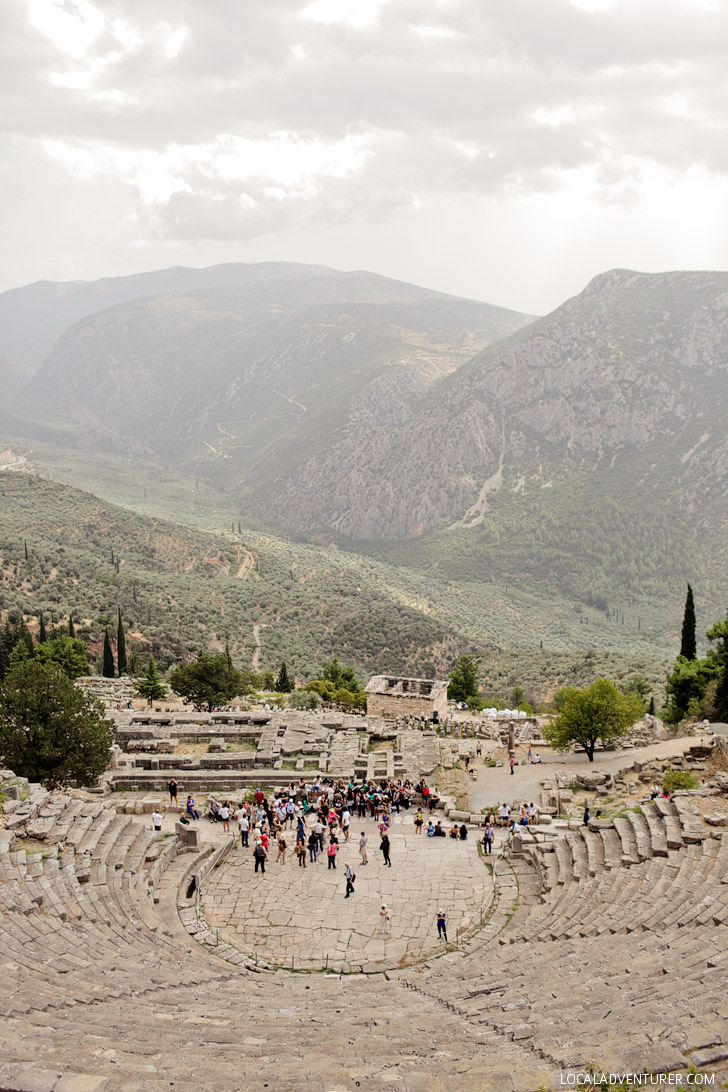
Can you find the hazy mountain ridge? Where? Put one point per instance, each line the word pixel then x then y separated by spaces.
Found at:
pixel 633 360
pixel 233 373
pixel 34 316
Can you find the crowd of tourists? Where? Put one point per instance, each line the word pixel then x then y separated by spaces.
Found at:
pixel 309 821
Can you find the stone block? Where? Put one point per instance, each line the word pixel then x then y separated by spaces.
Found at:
pixel 80 1082
pixel 710 1056
pixel 188 834
pixel 29 1080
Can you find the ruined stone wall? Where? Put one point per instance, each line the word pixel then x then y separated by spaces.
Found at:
pixel 405 705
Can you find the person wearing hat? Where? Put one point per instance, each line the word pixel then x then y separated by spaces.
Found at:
pixel 385 920
pixel 441 925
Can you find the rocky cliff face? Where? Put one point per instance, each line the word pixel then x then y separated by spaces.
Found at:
pixel 636 362
pixel 240 377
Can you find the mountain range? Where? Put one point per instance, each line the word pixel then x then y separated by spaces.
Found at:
pixel 582 454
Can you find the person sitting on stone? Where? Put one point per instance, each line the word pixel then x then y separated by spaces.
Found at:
pixel 463 832
pixel 439 832
pixel 213 811
pixel 430 829
pixel 454 830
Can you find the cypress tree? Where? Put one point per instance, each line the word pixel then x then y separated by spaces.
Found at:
pixel 283 683
pixel 42 635
pixel 120 647
pixel 108 666
pixel 71 630
pixel 688 646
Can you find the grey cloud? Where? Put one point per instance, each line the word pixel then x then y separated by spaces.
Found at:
pixel 412 98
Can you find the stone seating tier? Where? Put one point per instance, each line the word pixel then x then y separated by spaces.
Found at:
pixel 104 990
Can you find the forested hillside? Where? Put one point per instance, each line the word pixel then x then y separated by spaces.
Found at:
pixel 63 551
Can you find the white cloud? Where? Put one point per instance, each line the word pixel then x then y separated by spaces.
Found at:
pixel 355 13
pixel 295 165
pixel 175 40
pixel 358 119
pixel 426 31
pixel 72 25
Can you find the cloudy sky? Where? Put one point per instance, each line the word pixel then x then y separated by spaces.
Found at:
pixel 506 150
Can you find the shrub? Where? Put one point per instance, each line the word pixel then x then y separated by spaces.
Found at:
pixel 673 780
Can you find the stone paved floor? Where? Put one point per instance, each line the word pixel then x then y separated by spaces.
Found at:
pixel 292 912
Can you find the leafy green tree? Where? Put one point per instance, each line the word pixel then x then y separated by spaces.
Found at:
pixel 341 678
pixel 68 652
pixel 267 679
pixel 686 685
pixel 323 688
pixel 561 697
pixel 42 633
pixel 303 699
pixel 107 669
pixel 121 663
pixel 599 712
pixel 19 654
pixel 283 683
pixel 251 680
pixel 688 645
pixel 463 680
pixel 151 687
pixel 208 681
pixel 71 628
pixel 348 699
pixel 718 659
pixel 50 730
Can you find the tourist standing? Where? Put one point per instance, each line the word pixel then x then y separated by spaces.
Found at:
pixel 488 835
pixel 512 762
pixel 260 855
pixel 384 846
pixel 418 821
pixel 313 845
pixel 331 854
pixel 243 827
pixel 363 843
pixel 172 790
pixel 385 920
pixel 157 821
pixel 350 877
pixel 225 816
pixel 441 925
pixel 282 847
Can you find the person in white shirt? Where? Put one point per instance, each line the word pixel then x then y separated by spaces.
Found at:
pixel 244 828
pixel 157 820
